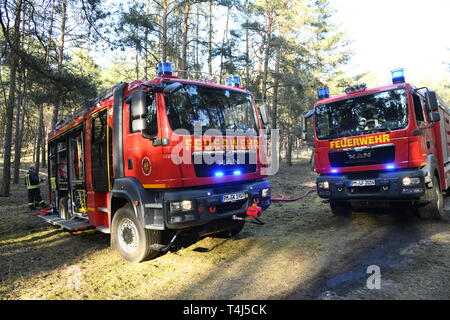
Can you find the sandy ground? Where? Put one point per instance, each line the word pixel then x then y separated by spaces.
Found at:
pixel 302 252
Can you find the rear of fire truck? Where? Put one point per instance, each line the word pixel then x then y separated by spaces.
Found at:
pixel 383 147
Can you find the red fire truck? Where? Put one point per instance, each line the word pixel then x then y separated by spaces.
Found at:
pixel 382 147
pixel 137 163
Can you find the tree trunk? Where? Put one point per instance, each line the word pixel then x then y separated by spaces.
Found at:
pixel 145 76
pixel 19 114
pixel 44 143
pixel 247 49
pixel 60 58
pixel 289 149
pixel 164 31
pixel 210 39
pixel 275 88
pixel 197 36
pixel 184 57
pixel 39 137
pixel 18 133
pixel 224 40
pixel 14 61
pixel 267 57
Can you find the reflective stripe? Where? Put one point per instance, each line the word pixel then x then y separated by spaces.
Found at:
pixel 29 185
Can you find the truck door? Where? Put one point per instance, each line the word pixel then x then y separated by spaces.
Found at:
pixel 142 158
pixel 99 163
pixel 427 145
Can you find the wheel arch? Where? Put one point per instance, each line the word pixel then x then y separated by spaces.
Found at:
pixel 130 191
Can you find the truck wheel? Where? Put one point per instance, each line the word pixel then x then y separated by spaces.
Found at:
pixel 237 227
pixel 64 210
pixel 340 209
pixel 130 239
pixel 435 208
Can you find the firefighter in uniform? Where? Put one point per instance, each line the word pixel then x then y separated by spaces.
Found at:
pixel 34 192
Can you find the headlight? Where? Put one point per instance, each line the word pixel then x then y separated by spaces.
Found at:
pixel 323 185
pixel 185 205
pixel 265 192
pixel 407 181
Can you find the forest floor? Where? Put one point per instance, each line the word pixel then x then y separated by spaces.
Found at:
pixel 302 252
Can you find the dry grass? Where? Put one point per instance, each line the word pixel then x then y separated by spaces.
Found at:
pixel 300 247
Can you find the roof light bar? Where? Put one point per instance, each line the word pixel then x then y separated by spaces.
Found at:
pixel 398 76
pixel 323 93
pixel 164 68
pixel 356 88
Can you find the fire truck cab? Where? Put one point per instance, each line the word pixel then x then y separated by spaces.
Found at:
pixel 382 147
pixel 153 158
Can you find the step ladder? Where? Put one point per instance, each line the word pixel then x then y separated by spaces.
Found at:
pixel 75 224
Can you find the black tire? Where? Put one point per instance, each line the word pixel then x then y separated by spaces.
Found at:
pixel 64 209
pixel 130 239
pixel 435 209
pixel 341 209
pixel 237 227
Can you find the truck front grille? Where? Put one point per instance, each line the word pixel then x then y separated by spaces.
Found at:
pixel 364 156
pixel 226 163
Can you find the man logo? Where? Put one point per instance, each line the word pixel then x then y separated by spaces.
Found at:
pixel 360 156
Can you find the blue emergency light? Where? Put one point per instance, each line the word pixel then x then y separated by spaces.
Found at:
pixel 398 76
pixel 230 81
pixel 164 68
pixel 218 174
pixel 323 93
pixel 237 172
pixel 237 81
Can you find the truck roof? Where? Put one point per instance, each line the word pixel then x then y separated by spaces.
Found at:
pixel 366 91
pixel 99 103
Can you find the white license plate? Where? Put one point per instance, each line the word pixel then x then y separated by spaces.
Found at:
pixel 233 197
pixel 362 183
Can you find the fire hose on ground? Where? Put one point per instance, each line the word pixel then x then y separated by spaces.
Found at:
pixel 253 212
pixel 281 197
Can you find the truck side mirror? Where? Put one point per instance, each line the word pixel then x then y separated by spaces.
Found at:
pixel 303 128
pixel 264 114
pixel 432 102
pixel 138 104
pixel 434 116
pixel 172 88
pixel 304 125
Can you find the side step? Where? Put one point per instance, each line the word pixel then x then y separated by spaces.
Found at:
pixel 71 225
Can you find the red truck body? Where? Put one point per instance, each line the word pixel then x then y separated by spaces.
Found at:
pixel 100 164
pixel 397 133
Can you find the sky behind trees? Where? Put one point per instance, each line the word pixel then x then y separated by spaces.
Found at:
pixel 389 34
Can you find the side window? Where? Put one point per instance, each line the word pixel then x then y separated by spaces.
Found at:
pixel 151 119
pixel 418 109
pixel 99 153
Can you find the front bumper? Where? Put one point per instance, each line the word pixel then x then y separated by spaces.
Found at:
pixel 208 203
pixel 388 186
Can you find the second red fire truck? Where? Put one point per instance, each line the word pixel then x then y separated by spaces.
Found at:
pixel 153 158
pixel 382 147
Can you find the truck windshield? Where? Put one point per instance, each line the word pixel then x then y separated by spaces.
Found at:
pixel 212 108
pixel 371 113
